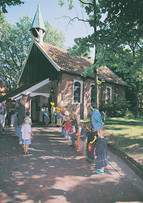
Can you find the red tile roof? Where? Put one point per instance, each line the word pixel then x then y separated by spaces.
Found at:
pixel 78 64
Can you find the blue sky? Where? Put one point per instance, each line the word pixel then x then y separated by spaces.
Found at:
pixel 54 14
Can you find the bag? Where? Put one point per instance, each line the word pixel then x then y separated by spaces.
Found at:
pixel 89 147
pixel 31 137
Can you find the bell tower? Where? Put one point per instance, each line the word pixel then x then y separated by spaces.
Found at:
pixel 37 28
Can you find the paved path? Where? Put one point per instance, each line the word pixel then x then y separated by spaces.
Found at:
pixel 55 173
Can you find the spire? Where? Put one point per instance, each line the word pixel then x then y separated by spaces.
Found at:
pixel 38 28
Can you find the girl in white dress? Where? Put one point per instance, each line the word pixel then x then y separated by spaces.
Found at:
pixel 26 133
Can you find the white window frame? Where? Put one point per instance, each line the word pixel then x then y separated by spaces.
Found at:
pixel 110 93
pixel 81 91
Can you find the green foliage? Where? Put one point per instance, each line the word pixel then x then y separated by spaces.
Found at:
pixel 54 36
pixel 115 108
pixel 4 3
pixel 117 38
pixel 15 43
pixel 70 3
pixel 129 114
pixel 80 48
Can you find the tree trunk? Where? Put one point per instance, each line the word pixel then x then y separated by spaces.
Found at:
pixel 95 70
pixel 137 100
pixel 96 88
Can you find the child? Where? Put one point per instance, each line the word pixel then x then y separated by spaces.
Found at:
pixel 91 138
pixel 26 133
pixel 74 119
pixel 101 151
pixel 53 109
pixel 46 116
pixel 72 132
pixel 67 127
pixel 78 141
pixel 63 124
pixel 83 139
pixel 58 114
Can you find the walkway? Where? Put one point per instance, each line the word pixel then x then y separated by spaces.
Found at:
pixel 54 172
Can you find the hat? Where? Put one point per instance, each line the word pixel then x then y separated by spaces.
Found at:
pixel 27 120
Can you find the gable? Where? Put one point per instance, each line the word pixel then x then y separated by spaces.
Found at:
pixel 37 68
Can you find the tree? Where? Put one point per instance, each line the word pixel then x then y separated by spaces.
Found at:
pixel 92 9
pixel 125 19
pixel 4 3
pixel 15 43
pixel 121 29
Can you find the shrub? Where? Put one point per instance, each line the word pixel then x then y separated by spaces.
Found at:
pixel 115 108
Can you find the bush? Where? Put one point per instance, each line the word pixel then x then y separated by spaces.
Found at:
pixel 116 108
pixel 129 114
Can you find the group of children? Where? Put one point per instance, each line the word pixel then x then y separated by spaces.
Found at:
pixel 86 141
pixel 82 136
pixel 52 115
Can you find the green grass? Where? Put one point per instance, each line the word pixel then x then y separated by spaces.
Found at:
pixel 127 134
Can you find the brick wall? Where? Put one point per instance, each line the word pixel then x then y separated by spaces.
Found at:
pixel 65 94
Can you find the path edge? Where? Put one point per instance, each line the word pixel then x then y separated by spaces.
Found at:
pixel 134 165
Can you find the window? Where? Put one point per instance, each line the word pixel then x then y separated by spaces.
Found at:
pixel 77 92
pixel 108 94
pixel 92 93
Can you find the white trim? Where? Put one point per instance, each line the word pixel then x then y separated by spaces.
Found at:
pixel 110 93
pixel 32 89
pixel 81 91
pixel 48 57
pixel 39 94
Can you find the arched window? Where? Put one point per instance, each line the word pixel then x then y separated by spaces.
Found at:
pixel 77 92
pixel 92 93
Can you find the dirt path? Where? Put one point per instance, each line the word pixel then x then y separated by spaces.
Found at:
pixel 54 172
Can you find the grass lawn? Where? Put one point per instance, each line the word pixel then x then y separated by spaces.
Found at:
pixel 127 134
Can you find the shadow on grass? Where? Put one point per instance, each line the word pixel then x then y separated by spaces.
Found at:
pixel 132 145
pixel 123 122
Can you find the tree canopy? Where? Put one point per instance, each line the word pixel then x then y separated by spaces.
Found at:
pixel 15 43
pixel 5 3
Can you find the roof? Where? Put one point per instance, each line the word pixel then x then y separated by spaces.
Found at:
pixel 78 64
pixel 38 20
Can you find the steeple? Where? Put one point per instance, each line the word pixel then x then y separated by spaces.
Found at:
pixel 38 28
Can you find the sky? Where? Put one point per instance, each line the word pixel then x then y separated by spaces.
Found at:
pixel 55 15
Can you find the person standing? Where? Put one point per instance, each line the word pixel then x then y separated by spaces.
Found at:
pixel 46 116
pixel 96 118
pixel 101 151
pixel 3 113
pixel 96 123
pixel 91 140
pixel 26 133
pixel 72 132
pixel 53 111
pixel 21 116
pixel 12 112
